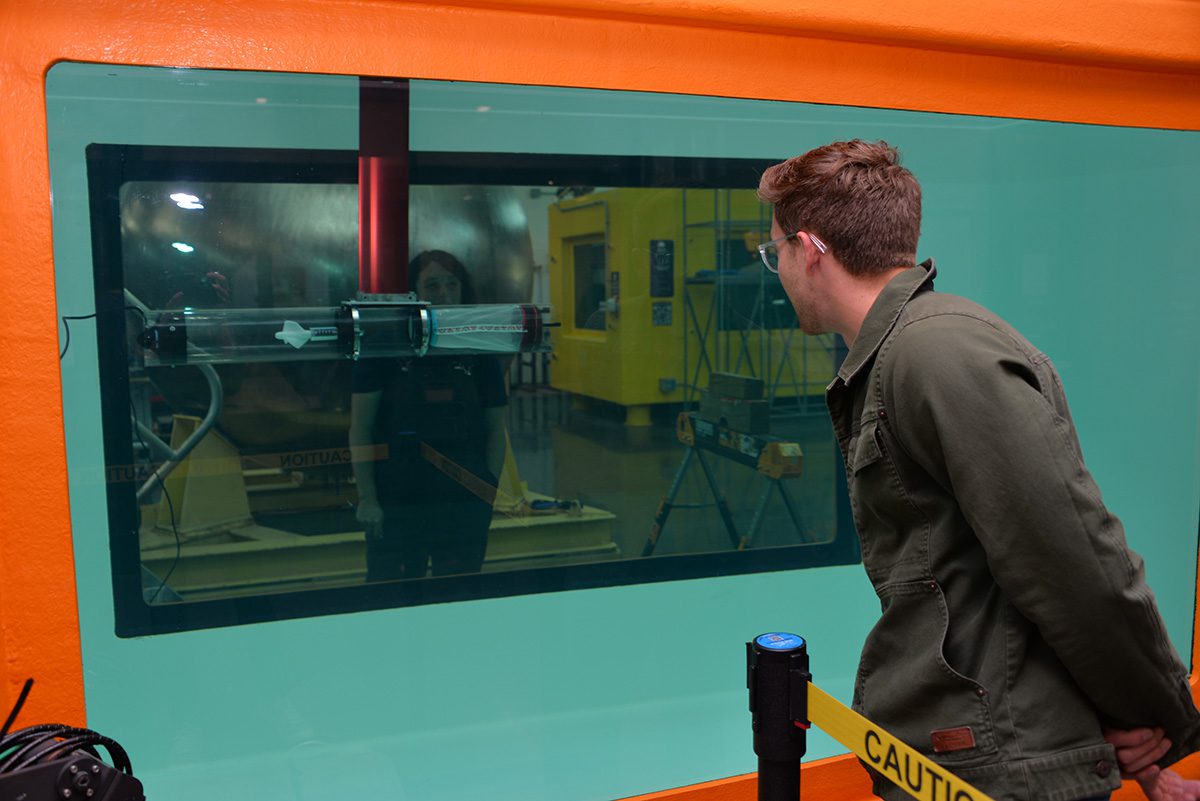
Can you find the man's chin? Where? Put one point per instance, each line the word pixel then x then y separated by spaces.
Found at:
pixel 811 327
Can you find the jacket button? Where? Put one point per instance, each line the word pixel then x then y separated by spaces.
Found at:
pixel 1102 768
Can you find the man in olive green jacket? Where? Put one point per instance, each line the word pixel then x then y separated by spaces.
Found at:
pixel 1019 645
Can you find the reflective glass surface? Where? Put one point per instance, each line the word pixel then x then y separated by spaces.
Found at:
pixel 400 376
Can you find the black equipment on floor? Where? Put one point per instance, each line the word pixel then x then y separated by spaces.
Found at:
pixel 54 762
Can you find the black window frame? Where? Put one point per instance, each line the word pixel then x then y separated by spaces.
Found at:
pixel 111 165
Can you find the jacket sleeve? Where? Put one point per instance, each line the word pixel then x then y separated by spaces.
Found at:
pixel 984 414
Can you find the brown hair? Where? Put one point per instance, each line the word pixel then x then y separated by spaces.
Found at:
pixel 855 197
pixel 449 263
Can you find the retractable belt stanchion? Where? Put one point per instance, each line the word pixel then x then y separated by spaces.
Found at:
pixel 777 677
pixel 785 702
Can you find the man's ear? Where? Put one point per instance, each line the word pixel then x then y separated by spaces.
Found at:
pixel 811 253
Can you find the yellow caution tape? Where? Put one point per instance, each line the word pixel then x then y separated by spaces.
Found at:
pixel 923 778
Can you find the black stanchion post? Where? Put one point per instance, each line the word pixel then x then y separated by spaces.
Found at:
pixel 777 677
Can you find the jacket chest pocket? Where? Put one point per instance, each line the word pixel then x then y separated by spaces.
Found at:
pixel 890 526
pixel 862 454
pixel 864 448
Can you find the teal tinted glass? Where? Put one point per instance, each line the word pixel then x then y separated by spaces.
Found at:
pixel 366 703
pixel 351 371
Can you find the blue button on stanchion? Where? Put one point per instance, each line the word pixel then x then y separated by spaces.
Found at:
pixel 777 677
pixel 779 641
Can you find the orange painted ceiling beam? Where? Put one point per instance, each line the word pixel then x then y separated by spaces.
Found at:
pixel 1138 34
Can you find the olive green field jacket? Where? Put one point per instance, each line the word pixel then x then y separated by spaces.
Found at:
pixel 1016 622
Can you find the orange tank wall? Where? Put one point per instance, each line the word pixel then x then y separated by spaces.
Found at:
pixel 1129 62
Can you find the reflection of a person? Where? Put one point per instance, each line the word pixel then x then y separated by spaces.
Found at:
pixel 415 514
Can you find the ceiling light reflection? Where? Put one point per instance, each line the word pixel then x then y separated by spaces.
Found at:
pixel 186 201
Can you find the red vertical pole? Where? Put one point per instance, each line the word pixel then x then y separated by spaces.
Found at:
pixel 383 185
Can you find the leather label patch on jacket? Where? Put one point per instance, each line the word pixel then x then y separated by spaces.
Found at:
pixel 947 740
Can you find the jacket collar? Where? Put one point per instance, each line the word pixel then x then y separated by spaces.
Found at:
pixel 882 316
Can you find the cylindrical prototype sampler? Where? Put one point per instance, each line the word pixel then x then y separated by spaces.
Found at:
pixel 355 329
pixel 777 677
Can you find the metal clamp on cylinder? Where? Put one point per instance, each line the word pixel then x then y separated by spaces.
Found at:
pixel 777 677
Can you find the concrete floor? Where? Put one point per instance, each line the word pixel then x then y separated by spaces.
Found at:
pixel 590 455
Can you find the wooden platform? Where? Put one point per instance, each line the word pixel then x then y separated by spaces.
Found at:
pixel 253 559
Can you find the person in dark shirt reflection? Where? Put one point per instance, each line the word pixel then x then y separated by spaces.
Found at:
pixel 428 504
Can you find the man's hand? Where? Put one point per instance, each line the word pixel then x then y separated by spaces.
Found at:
pixel 1138 750
pixel 1170 786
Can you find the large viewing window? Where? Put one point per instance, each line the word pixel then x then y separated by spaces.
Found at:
pixel 292 429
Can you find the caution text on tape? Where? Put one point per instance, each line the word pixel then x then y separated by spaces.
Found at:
pixel 924 779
